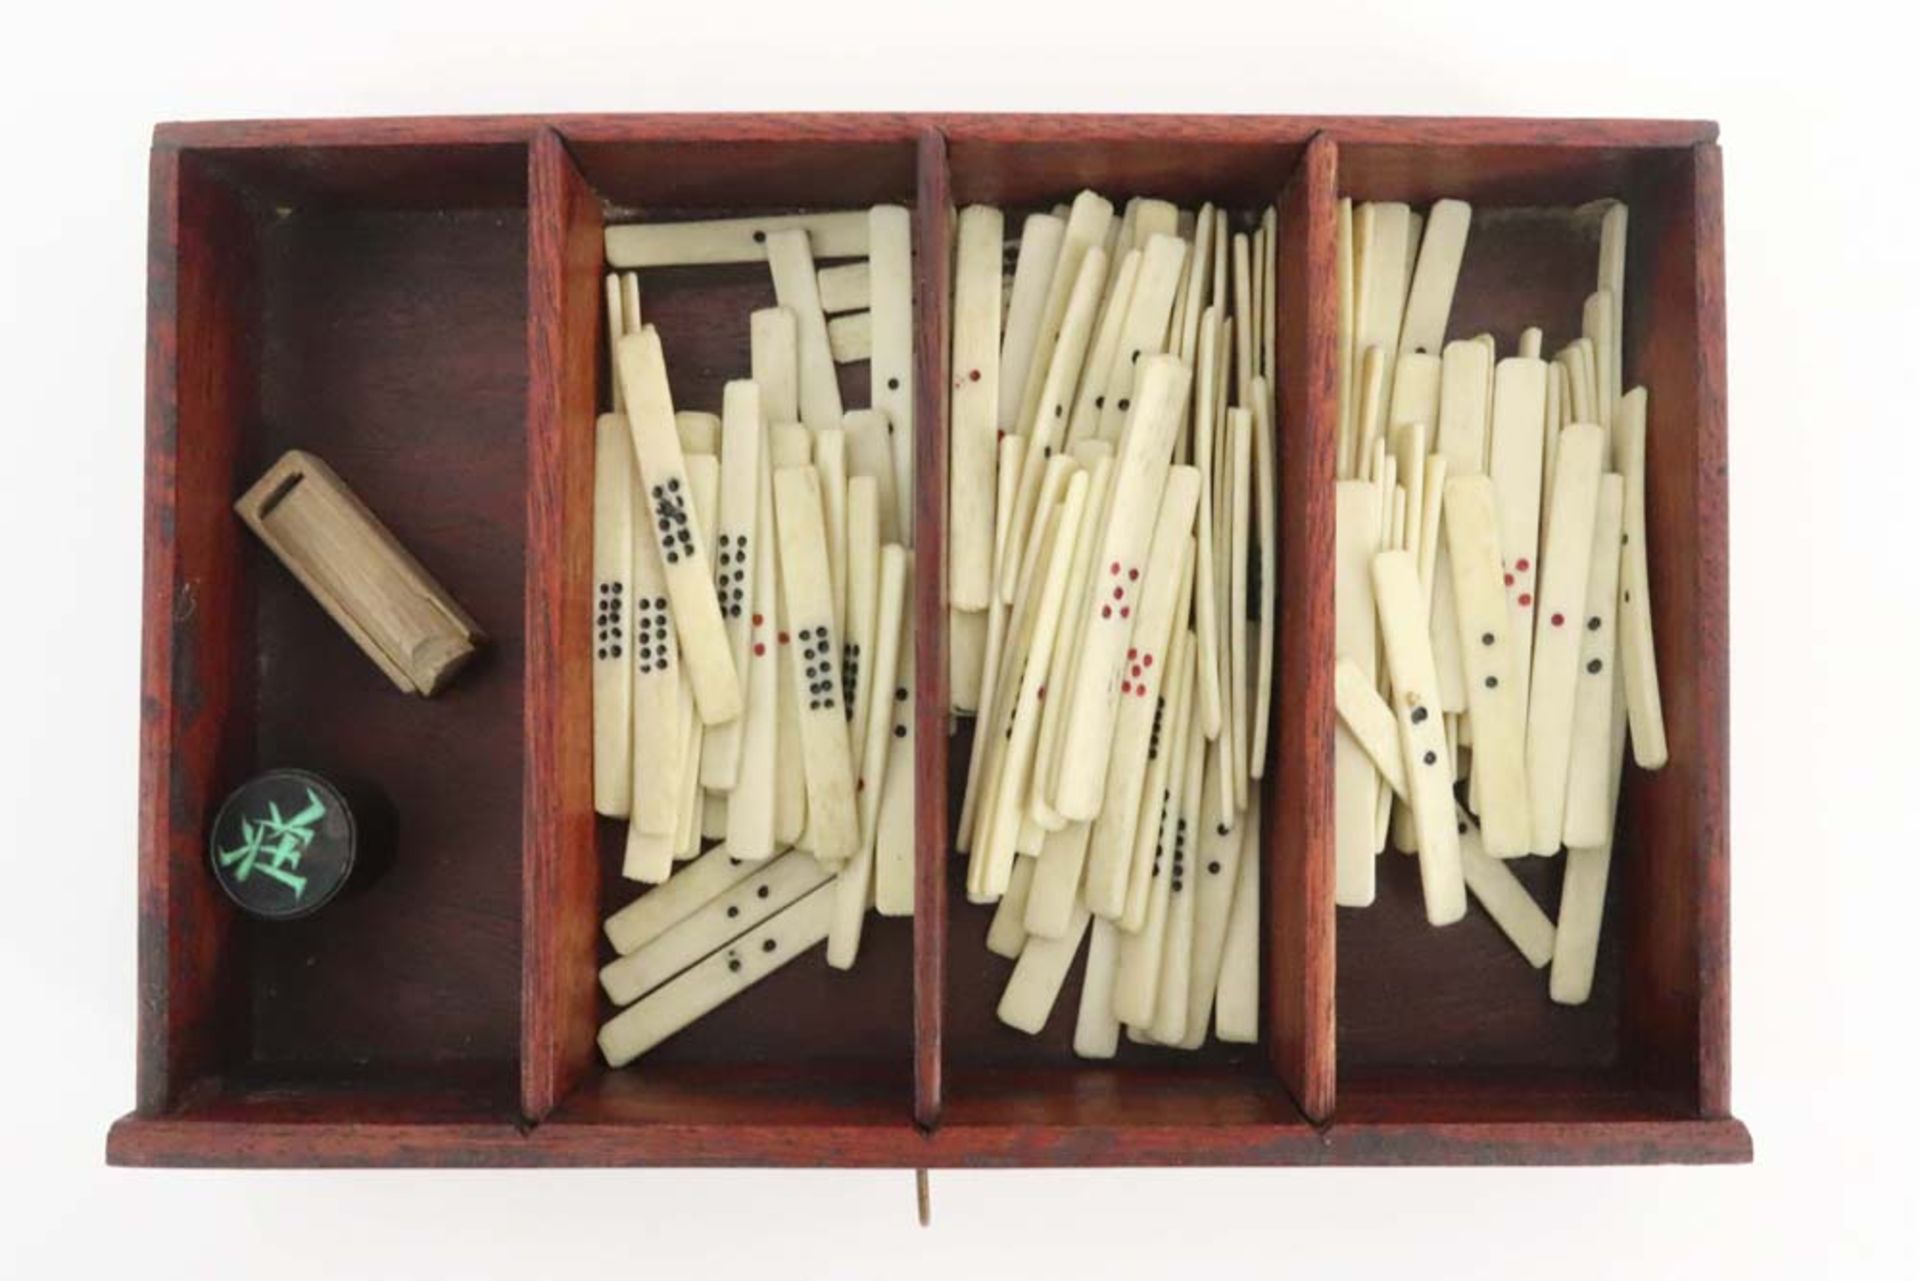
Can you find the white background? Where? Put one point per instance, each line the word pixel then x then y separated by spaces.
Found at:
pixel 1820 195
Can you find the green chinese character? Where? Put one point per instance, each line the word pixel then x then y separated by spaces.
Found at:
pixel 281 840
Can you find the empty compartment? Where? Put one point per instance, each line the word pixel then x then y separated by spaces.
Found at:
pixel 999 1079
pixel 808 1045
pixel 372 313
pixel 1453 1023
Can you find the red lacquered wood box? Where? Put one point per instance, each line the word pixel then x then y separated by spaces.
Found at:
pixel 419 302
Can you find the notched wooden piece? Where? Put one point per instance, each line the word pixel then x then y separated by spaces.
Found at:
pixel 353 565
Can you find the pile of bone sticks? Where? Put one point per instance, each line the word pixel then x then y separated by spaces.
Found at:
pixel 1494 635
pixel 1111 533
pixel 752 626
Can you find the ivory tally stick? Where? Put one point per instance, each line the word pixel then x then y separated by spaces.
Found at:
pixel 853 888
pixel 893 860
pixel 1049 424
pixel 659 909
pixel 725 240
pixel 1589 811
pixel 1356 788
pixel 966 655
pixel 659 692
pixel 688 574
pixel 1266 566
pixel 1011 792
pixel 1169 1023
pixel 737 536
pixel 1216 870
pixel 1164 597
pixel 1556 642
pixel 1139 479
pixel 870 453
pixel 847 287
pixel 797 288
pixel 752 810
pixel 717 979
pixel 1506 900
pixel 775 353
pixel 891 373
pixel 1007 931
pixel 1096 1030
pixel 1040 240
pixel 863 611
pixel 1039 975
pixel 850 337
pixel 1519 408
pixel 1396 582
pixel 1366 716
pixel 1644 715
pixel 789 446
pixel 615 482
pixel 815 655
pixel 1086 229
pixel 1236 1016
pixel 725 917
pixel 1143 329
pixel 973 407
pixel 1424 325
pixel 1491 659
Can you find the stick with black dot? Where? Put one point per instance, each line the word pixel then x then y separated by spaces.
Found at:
pixel 1557 635
pixel 893 863
pixel 1403 625
pixel 1490 661
pixel 725 917
pixel 743 432
pixel 718 979
pixel 1145 923
pixel 688 575
pixel 664 906
pixel 713 241
pixel 614 483
pixel 832 824
pixel 1589 812
pixel 753 819
pixel 890 248
pixel 973 408
pixel 658 763
pixel 1214 872
pixel 854 887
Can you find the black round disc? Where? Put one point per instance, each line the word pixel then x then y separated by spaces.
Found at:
pixel 283 844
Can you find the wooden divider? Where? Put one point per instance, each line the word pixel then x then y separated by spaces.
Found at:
pixel 933 250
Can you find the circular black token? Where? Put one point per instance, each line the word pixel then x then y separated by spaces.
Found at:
pixel 284 844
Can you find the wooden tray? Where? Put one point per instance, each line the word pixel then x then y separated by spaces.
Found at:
pixel 419 302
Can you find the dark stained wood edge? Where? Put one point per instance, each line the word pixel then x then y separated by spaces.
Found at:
pixel 777 126
pixel 153 1067
pixel 1711 602
pixel 200 274
pixel 1011 127
pixel 1673 872
pixel 1300 978
pixel 1495 131
pixel 933 250
pixel 560 872
pixel 142 1141
pixel 366 131
pixel 1461 130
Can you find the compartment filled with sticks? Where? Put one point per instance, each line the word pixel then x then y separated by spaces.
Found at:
pixel 753 646
pixel 1494 632
pixel 1111 538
